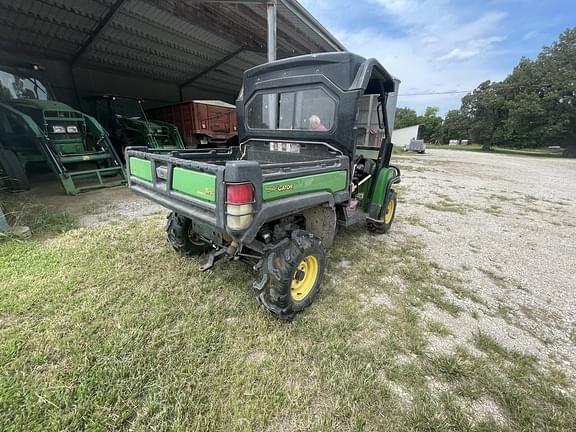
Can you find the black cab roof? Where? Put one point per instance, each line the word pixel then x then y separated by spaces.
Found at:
pixel 328 82
pixel 348 71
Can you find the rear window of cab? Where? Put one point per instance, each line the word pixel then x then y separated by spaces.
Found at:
pixel 308 109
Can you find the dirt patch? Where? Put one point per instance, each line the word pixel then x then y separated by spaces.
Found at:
pixel 405 396
pixel 97 207
pixel 483 410
pixel 256 357
pixel 437 387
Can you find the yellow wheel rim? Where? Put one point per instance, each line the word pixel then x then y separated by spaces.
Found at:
pixel 389 211
pixel 304 278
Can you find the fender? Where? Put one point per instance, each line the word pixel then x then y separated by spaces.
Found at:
pixel 387 177
pixel 284 207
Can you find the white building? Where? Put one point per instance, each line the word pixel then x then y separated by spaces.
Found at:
pixel 402 137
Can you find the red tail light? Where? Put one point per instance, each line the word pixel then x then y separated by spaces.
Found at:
pixel 239 193
pixel 240 199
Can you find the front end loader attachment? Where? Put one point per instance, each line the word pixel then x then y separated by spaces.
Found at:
pixel 95 166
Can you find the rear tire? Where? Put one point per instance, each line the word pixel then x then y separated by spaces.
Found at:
pixel 291 275
pixel 12 169
pixel 182 238
pixel 387 214
pixel 321 221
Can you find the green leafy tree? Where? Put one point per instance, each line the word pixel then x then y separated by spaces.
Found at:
pixel 555 69
pixel 534 106
pixel 405 117
pixel 526 119
pixel 485 108
pixel 455 126
pixel 431 125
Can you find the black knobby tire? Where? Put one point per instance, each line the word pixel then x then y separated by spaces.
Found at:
pixel 180 235
pixel 384 227
pixel 321 221
pixel 279 269
pixel 13 171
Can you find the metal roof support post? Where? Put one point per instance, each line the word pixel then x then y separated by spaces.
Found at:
pixel 271 13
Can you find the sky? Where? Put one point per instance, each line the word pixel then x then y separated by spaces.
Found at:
pixel 436 46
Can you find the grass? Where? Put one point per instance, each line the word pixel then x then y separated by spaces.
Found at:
pixel 107 329
pixel 501 281
pixel 497 150
pixel 417 221
pixel 503 198
pixel 448 206
pixel 438 328
pixel 504 311
pixel 539 314
pixel 573 335
pixel 41 220
pixel 497 279
pixel 493 209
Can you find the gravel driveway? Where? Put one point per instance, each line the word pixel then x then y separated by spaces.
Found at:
pixel 504 225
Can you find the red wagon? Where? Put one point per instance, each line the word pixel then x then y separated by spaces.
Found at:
pixel 201 122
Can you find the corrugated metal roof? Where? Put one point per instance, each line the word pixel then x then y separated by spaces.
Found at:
pixel 171 40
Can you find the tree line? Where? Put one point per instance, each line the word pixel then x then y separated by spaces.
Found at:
pixel 535 106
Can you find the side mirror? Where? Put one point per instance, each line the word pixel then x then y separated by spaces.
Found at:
pixel 380 112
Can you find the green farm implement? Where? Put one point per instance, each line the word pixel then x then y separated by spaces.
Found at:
pixel 127 125
pixel 37 130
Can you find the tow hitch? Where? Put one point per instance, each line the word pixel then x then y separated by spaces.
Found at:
pixel 215 255
pixel 218 254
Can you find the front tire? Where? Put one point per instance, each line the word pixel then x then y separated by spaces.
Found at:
pixel 386 215
pixel 291 275
pixel 182 238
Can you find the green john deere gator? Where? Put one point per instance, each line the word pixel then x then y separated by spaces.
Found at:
pixel 37 130
pixel 127 124
pixel 299 172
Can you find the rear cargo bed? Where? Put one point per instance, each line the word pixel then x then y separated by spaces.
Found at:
pixel 193 183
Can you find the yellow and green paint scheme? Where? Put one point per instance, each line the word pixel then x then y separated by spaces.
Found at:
pixel 197 184
pixel 383 179
pixel 333 181
pixel 203 185
pixel 188 182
